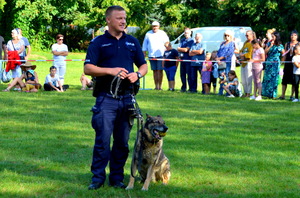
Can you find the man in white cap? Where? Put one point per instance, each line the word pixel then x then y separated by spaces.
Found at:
pixel 154 43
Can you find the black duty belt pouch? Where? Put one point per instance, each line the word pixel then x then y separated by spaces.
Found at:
pixel 136 87
pixel 96 87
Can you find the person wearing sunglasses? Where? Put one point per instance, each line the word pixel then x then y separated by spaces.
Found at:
pixel 15 51
pixel 60 52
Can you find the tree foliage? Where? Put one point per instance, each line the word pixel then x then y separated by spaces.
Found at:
pixel 41 20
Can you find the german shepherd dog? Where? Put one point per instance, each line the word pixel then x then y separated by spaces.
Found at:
pixel 148 157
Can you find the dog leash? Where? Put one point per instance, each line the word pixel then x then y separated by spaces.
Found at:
pixel 140 126
pixel 119 80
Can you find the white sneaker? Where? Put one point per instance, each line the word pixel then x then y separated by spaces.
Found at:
pixel 258 98
pixel 252 97
pixel 295 100
pixel 230 96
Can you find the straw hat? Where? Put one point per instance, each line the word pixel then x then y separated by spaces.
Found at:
pixel 27 64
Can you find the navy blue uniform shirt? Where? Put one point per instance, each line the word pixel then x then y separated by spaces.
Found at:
pixel 107 51
pixel 184 43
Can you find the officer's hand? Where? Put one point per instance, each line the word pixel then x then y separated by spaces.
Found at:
pixel 132 77
pixel 121 72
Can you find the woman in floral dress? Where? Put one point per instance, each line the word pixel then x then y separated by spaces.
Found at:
pixel 271 75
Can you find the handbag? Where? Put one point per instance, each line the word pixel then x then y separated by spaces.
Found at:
pixel 5 76
pixel 222 65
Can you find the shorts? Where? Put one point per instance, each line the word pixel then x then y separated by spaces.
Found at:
pixel 156 64
pixel 28 87
pixel 234 89
pixel 170 72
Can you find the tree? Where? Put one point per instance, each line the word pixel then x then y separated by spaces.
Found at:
pixel 41 20
pixel 2 3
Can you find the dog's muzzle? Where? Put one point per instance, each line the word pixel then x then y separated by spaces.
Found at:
pixel 159 131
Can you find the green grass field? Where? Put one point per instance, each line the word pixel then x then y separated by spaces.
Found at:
pixel 217 146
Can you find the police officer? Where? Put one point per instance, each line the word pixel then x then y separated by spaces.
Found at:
pixel 110 59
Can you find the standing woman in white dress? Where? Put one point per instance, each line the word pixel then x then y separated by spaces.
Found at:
pixel 60 52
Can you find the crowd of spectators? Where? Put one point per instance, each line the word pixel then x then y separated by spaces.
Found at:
pixel 24 78
pixel 260 64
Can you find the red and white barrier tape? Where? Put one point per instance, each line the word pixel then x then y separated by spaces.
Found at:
pixel 199 61
pixel 158 59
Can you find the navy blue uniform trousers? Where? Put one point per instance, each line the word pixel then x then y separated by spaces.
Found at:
pixel 185 75
pixel 110 118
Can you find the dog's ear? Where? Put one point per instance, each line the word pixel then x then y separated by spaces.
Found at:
pixel 148 116
pixel 158 116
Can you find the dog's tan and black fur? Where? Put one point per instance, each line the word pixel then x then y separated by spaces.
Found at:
pixel 148 157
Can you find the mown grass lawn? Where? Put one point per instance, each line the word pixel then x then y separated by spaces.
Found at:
pixel 217 146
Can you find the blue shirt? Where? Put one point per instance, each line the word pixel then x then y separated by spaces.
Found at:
pixel 201 57
pixel 226 51
pixel 184 43
pixel 171 54
pixel 107 51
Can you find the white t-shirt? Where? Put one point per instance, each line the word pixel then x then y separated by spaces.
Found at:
pixel 53 80
pixel 154 43
pixel 59 48
pixel 296 58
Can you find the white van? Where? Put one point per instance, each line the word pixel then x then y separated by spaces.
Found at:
pixel 214 36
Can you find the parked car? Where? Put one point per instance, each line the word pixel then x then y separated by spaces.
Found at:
pixel 213 36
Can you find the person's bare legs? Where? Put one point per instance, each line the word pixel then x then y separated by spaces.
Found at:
pixel 16 81
pixel 154 78
pixel 283 91
pixel 227 90
pixel 159 78
pixel 34 90
pixel 83 82
pixel 171 85
pixel 206 88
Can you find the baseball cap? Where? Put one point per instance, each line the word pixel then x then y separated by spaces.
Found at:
pixel 155 23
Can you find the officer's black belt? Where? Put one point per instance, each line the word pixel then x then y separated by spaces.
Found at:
pixel 119 97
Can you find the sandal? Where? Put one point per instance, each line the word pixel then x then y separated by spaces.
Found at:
pixel 5 90
pixel 281 98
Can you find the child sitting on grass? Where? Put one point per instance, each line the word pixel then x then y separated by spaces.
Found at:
pixel 86 82
pixel 232 85
pixel 52 82
pixel 30 84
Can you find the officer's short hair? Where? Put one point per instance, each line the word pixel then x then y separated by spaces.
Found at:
pixel 110 9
